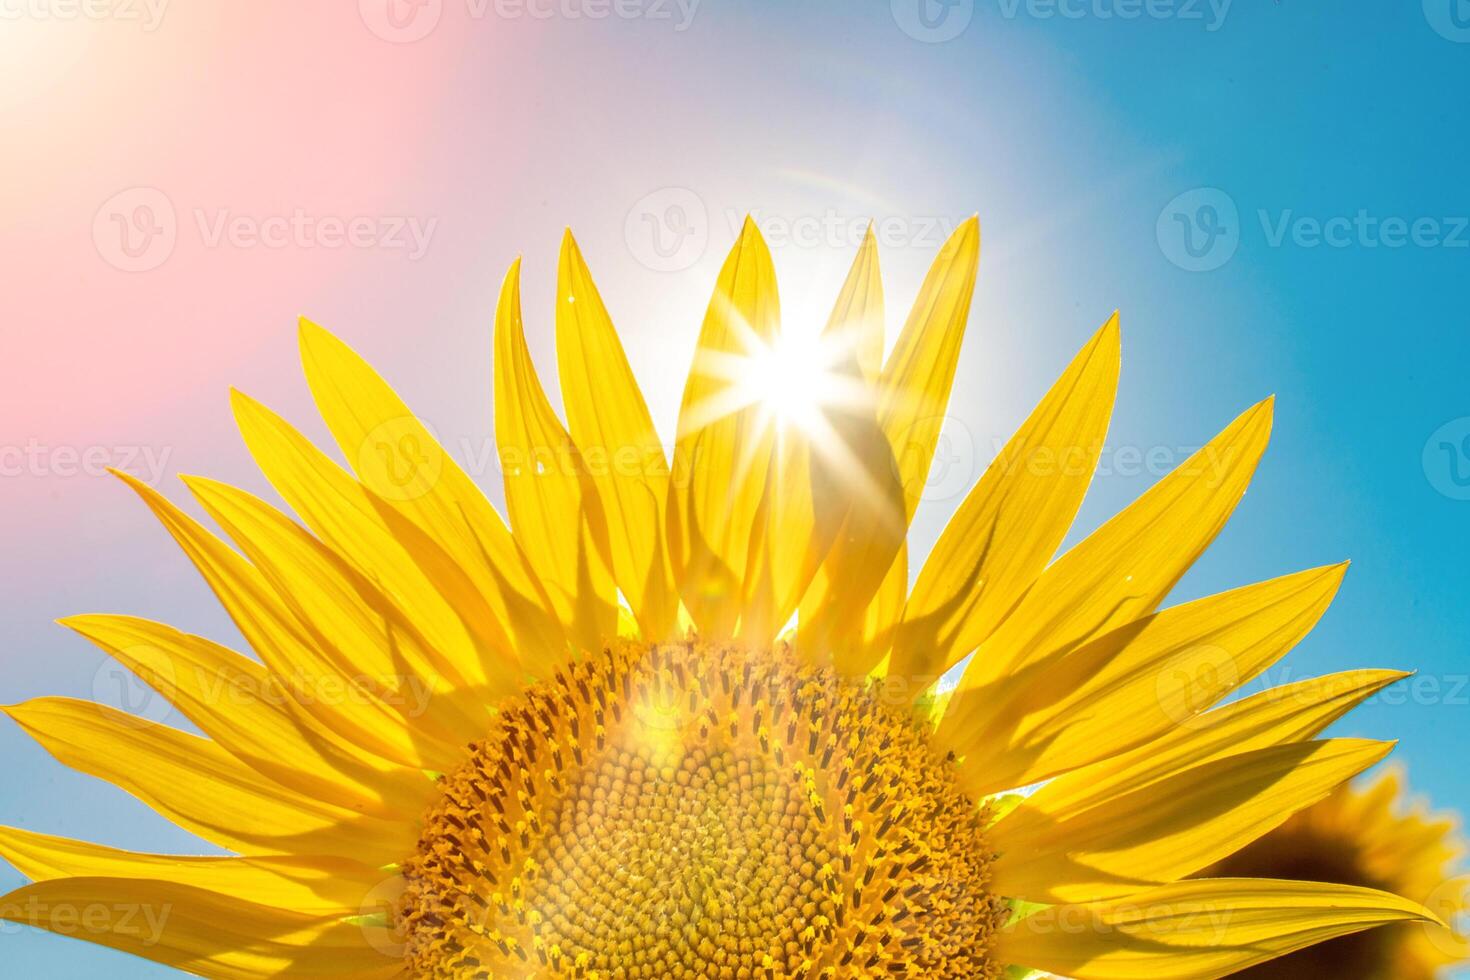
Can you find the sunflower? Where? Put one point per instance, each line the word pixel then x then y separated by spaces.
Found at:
pixel 678 718
pixel 1375 837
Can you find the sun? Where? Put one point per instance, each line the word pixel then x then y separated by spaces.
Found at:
pixel 794 381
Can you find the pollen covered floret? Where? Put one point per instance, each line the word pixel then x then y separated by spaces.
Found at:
pixel 684 811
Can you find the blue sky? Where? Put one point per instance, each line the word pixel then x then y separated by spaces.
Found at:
pixel 1273 194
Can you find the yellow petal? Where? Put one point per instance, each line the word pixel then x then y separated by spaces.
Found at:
pixel 880 620
pixel 913 394
pixel 1111 845
pixel 1195 930
pixel 723 445
pixel 920 372
pixel 554 508
pixel 317 684
pixel 396 457
pixel 202 932
pixel 1130 685
pixel 448 609
pixel 782 538
pixel 237 703
pixel 830 467
pixel 609 421
pixel 1290 713
pixel 848 612
pixel 1124 570
pixel 201 787
pixel 1015 518
pixel 855 330
pixel 352 622
pixel 312 885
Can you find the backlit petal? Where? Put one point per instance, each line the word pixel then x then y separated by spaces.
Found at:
pixel 610 423
pixel 554 507
pixel 237 703
pixel 1124 570
pixel 1130 685
pixel 1195 930
pixel 319 685
pixel 201 787
pixel 1112 845
pixel 396 457
pixel 1015 518
pixel 831 470
pixel 312 885
pixel 203 932
pixel 913 395
pixel 1280 715
pixel 350 620
pixel 424 582
pixel 723 446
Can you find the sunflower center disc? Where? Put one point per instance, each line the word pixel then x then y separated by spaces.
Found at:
pixel 695 812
